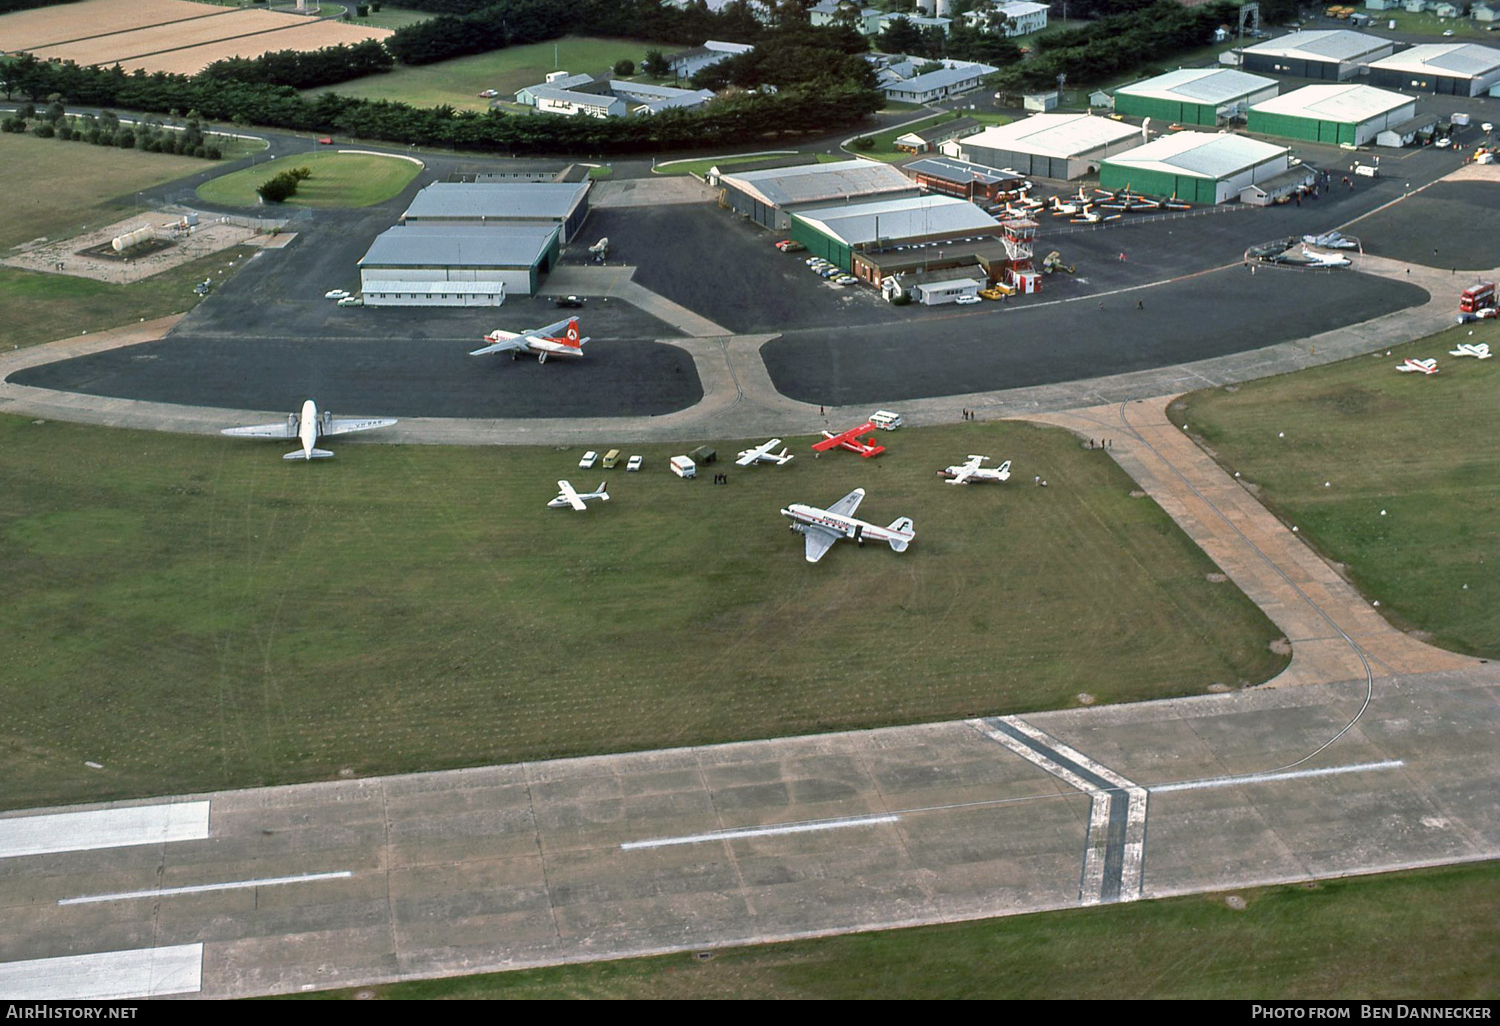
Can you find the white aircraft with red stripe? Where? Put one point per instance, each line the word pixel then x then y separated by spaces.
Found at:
pixel 822 527
pixel 541 342
pixel 1410 366
pixel 850 440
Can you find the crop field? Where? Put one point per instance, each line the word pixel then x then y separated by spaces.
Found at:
pixel 458 82
pixel 338 180
pixel 196 613
pixel 1397 479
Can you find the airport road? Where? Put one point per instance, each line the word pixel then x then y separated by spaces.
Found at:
pixel 284 889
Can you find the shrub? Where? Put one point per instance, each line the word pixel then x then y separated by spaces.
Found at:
pixel 125 139
pixel 624 68
pixel 864 142
pixel 44 131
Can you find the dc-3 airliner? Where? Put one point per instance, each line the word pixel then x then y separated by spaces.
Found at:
pixel 540 342
pixel 567 495
pixel 308 427
pixel 822 527
pixel 972 471
pixel 764 453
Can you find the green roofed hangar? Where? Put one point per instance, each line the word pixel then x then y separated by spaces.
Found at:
pixel 838 233
pixel 1199 167
pixel 1336 114
pixel 1194 96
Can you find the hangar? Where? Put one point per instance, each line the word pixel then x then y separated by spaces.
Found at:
pixel 1448 69
pixel 561 204
pixel 836 233
pixel 1333 55
pixel 456 264
pixel 953 177
pixel 1199 167
pixel 769 196
pixel 1336 114
pixel 1194 96
pixel 1047 145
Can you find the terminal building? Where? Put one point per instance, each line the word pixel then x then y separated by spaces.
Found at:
pixel 1332 55
pixel 1448 69
pixel 456 265
pixel 1199 167
pixel 1336 114
pixel 771 195
pixel 1061 146
pixel 561 204
pixel 1194 96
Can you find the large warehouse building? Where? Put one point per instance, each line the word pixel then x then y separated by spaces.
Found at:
pixel 1199 167
pixel 561 204
pixel 456 265
pixel 837 233
pixel 769 197
pixel 1336 114
pixel 1332 55
pixel 1194 96
pixel 1047 145
pixel 1448 69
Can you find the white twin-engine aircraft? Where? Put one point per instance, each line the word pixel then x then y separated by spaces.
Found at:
pixel 764 454
pixel 1480 350
pixel 972 471
pixel 568 496
pixel 1410 366
pixel 542 342
pixel 309 426
pixel 822 527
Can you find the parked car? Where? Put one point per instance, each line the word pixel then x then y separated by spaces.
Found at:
pixel 968 300
pixel 789 246
pixel 611 459
pixel 570 302
pixel 326 140
pixel 814 261
pixel 1447 32
pixel 847 279
pixel 589 459
pixel 991 294
pixel 335 294
pixel 489 94
pixel 351 301
pixel 633 464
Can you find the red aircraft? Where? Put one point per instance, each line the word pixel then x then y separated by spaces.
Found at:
pixel 850 440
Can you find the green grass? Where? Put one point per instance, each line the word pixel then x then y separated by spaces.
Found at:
pixel 1421 450
pixel 392 18
pixel 195 613
pixel 338 180
pixel 459 81
pixel 727 164
pixel 1426 23
pixel 75 185
pixel 885 142
pixel 44 307
pixel 1424 934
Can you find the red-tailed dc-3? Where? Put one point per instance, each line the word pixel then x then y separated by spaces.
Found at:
pixel 309 426
pixel 822 527
pixel 543 342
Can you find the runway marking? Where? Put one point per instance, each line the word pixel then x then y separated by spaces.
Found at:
pixel 103 828
pixel 273 881
pixel 105 975
pixel 789 828
pixel 1264 778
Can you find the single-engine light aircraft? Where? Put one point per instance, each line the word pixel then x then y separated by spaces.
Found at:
pixel 764 454
pixel 850 440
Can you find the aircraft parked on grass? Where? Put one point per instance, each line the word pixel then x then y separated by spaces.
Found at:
pixel 764 454
pixel 308 426
pixel 972 471
pixel 568 496
pixel 1481 350
pixel 543 342
pixel 822 527
pixel 850 440
pixel 1410 366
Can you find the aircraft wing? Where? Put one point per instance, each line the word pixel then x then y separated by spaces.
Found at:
pixel 505 344
pixel 349 425
pixel 749 456
pixel 964 473
pixel 281 429
pixel 571 495
pixel 550 331
pixel 846 506
pixel 819 541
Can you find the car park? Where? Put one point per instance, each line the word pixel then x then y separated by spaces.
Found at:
pixel 611 459
pixel 351 301
pixel 335 294
pixel 589 459
pixel 633 464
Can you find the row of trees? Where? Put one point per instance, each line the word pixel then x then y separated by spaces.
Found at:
pixel 150 134
pixel 961 42
pixel 6 6
pixel 306 69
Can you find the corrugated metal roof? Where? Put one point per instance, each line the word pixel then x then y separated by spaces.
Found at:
pixel 1199 154
pixel 432 288
pixel 955 170
pixel 497 199
pixel 1200 85
pixel 1459 60
pixel 809 183
pixel 1350 104
pixel 1321 45
pixel 941 79
pixel 436 245
pixel 912 217
pixel 1054 135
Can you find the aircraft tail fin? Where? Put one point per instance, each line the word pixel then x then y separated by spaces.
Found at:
pixel 301 454
pixel 602 493
pixel 570 337
pixel 908 532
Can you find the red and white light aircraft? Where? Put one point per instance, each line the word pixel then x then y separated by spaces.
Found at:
pixel 307 427
pixel 850 440
pixel 1410 366
pixel 971 470
pixel 822 527
pixel 543 342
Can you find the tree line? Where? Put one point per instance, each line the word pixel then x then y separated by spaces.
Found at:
pixel 105 129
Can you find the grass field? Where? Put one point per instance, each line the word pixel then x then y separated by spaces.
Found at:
pixel 43 307
pixel 338 180
pixel 391 17
pixel 195 613
pixel 459 81
pixel 1426 23
pixel 885 142
pixel 1413 476
pixel 728 164
pixel 1424 934
pixel 74 185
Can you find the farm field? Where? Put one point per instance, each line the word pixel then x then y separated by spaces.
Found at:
pixel 216 617
pixel 1392 478
pixel 338 180
pixel 1428 933
pixel 459 81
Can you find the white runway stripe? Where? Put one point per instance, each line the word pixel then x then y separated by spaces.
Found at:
pixel 103 828
pixel 790 828
pixel 235 885
pixel 1266 778
pixel 105 975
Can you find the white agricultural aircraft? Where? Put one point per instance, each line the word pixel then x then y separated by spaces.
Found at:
pixel 822 527
pixel 972 471
pixel 308 426
pixel 1479 350
pixel 764 454
pixel 543 342
pixel 1410 366
pixel 567 496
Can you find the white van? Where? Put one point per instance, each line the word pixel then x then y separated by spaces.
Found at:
pixel 684 467
pixel 885 420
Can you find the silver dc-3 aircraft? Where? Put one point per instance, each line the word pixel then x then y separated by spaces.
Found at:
pixel 822 527
pixel 541 342
pixel 972 471
pixel 567 496
pixel 764 454
pixel 309 426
